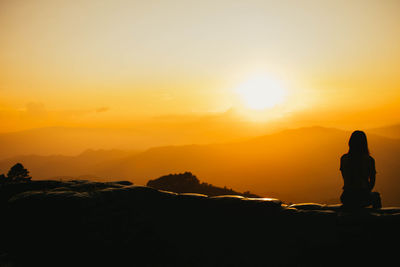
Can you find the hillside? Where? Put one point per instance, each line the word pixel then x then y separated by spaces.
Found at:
pixel 298 165
pixel 81 223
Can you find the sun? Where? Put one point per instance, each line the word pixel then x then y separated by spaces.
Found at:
pixel 261 92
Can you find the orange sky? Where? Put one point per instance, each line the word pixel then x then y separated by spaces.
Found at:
pixel 98 63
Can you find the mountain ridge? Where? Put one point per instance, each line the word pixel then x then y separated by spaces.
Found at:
pixel 298 165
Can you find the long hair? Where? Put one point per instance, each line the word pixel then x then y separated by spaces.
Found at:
pixel 358 144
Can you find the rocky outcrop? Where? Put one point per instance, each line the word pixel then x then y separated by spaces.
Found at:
pixel 83 223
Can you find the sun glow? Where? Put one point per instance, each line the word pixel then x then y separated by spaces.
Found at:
pixel 261 92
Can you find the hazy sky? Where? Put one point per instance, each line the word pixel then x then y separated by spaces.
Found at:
pixel 97 62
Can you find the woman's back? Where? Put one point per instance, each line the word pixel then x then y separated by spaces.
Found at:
pixel 356 171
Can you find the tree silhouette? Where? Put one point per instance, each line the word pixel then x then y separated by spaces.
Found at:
pixel 18 173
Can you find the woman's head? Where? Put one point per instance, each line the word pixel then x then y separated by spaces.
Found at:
pixel 358 144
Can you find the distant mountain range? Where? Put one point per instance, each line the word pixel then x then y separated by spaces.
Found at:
pixel 298 165
pixel 140 135
pixel 68 167
pixel 392 131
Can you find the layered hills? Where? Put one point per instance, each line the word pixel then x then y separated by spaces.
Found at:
pixel 298 165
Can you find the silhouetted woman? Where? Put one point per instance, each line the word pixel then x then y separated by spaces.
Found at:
pixel 358 171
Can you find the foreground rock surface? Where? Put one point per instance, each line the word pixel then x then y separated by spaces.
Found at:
pixel 83 223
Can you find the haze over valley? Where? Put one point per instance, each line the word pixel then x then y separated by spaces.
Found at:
pixel 295 165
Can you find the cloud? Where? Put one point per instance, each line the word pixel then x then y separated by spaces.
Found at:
pixel 102 109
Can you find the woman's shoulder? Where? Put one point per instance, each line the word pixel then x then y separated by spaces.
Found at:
pixel 344 160
pixel 344 156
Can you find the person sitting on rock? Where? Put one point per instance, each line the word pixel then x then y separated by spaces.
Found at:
pixel 358 171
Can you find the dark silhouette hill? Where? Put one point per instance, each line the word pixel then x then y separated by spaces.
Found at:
pixel 82 223
pixel 298 165
pixel 189 183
